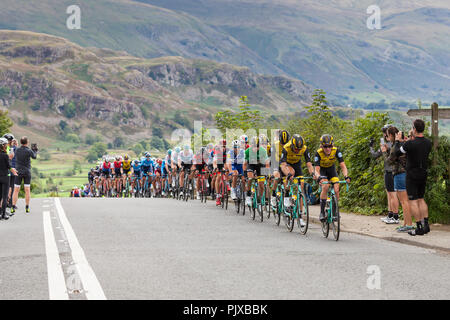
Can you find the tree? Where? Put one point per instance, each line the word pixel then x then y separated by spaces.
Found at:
pixel 70 110
pixel 245 119
pixel 89 139
pixel 118 142
pixel 5 122
pixel 157 143
pixel 63 125
pixel 157 132
pixel 137 149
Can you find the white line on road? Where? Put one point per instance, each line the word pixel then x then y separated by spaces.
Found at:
pixel 56 282
pixel 91 285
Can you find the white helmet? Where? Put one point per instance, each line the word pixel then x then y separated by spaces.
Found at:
pixel 3 141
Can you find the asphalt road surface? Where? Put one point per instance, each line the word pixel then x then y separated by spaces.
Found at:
pixel 168 249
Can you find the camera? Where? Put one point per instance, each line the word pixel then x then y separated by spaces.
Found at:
pixel 34 147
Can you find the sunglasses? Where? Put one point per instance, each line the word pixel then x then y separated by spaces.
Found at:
pixel 327 147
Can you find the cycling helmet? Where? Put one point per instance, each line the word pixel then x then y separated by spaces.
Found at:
pixel 8 136
pixel 159 161
pixel 177 149
pixel 326 139
pixel 235 144
pixel 297 142
pixel 169 152
pixel 3 141
pixel 126 157
pixel 263 138
pixel 147 155
pixel 210 146
pixel 136 161
pixel 117 158
pixel 284 136
pixel 186 147
pixel 92 169
pixel 254 142
pixel 245 138
pixel 223 142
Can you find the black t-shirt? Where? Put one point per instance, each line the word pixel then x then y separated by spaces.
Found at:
pixel 417 152
pixel 5 164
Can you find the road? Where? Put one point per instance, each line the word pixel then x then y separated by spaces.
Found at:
pixel 166 249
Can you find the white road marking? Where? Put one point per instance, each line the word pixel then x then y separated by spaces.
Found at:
pixel 91 285
pixel 56 281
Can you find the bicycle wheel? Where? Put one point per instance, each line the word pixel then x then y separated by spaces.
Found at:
pixel 304 215
pixel 243 194
pixel 253 207
pixel 325 224
pixel 226 196
pixel 237 202
pixel 260 206
pixel 336 218
pixel 277 211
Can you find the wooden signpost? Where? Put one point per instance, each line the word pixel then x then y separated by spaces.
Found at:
pixel 436 114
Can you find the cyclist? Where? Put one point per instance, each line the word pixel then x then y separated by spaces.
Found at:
pixel 185 158
pixel 290 162
pixel 219 160
pixel 235 164
pixel 167 171
pixel 106 174
pixel 118 174
pixel 200 164
pixel 277 151
pixel 136 166
pixel 324 160
pixel 245 139
pixel 91 176
pixel 147 167
pixel 126 168
pixel 255 159
pixel 158 172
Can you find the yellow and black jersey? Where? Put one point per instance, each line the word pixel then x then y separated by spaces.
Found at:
pixel 269 150
pixel 126 164
pixel 320 159
pixel 292 157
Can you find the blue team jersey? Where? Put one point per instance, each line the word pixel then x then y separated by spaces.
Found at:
pixel 236 158
pixel 136 168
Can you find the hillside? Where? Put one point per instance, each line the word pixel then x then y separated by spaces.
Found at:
pixel 325 43
pixel 49 79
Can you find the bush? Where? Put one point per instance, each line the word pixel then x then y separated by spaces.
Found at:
pixel 72 137
pixel 70 110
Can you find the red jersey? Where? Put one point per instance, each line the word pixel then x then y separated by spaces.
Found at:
pixel 117 164
pixel 107 165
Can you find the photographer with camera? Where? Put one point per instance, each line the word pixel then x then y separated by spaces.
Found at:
pixel 11 151
pixel 23 167
pixel 385 147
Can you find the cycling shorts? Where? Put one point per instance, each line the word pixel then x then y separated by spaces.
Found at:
pixel 255 167
pixel 238 167
pixel 297 168
pixel 126 172
pixel 117 172
pixel 330 173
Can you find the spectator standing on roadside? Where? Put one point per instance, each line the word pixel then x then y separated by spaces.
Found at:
pixel 399 171
pixel 388 176
pixel 5 168
pixel 11 151
pixel 417 152
pixel 23 167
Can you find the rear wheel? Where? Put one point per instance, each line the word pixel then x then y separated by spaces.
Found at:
pixel 325 224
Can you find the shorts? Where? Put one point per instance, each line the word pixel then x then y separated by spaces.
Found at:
pixel 117 172
pixel 297 168
pixel 200 167
pixel 25 177
pixel 330 173
pixel 185 166
pixel 415 188
pixel 106 173
pixel 220 166
pixel 126 172
pixel 255 167
pixel 400 182
pixel 145 170
pixel 238 167
pixel 389 181
pixel 137 174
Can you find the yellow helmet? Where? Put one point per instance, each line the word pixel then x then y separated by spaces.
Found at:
pixel 326 139
pixel 297 141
